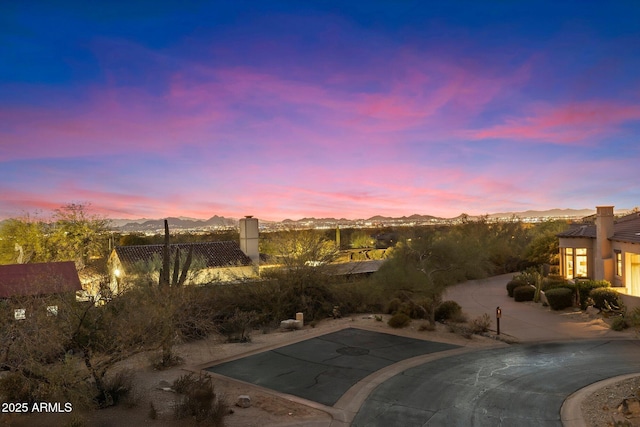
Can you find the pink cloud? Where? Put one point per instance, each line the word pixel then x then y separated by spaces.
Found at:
pixel 572 124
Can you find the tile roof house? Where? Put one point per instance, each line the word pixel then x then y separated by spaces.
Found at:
pixel 18 282
pixel 212 261
pixel 606 249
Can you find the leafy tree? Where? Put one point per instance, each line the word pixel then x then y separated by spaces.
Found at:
pixel 23 240
pixel 543 248
pixel 78 235
pixel 299 248
pixel 72 235
pixel 362 239
pixel 421 269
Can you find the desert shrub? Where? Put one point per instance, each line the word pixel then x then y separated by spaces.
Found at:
pixel 417 309
pixel 554 281
pixel 512 284
pixel 399 320
pixel 120 389
pixel 394 305
pixel 584 288
pixel 559 298
pixel 605 298
pixel 524 293
pixel 14 387
pixel 448 310
pixel 197 399
pixel 633 317
pixel 619 324
pixel 237 326
pixel 426 326
pixel 481 324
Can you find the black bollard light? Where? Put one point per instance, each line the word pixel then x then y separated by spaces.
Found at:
pixel 498 316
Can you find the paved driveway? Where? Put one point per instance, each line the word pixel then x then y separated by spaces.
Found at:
pixel 518 386
pixel 527 322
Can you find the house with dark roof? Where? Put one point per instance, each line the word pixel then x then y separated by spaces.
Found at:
pixel 605 249
pixel 47 281
pixel 212 262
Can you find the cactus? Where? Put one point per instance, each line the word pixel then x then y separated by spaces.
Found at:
pixel 178 278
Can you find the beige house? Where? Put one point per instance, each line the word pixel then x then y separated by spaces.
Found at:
pixel 225 261
pixel 606 249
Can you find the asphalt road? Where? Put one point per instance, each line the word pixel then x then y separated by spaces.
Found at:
pixel 519 386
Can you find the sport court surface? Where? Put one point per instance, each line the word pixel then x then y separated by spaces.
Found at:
pixel 322 369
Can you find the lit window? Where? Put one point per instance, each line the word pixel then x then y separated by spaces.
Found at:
pixel 581 262
pixel 568 262
pixel 20 313
pixel 618 263
pixel 52 310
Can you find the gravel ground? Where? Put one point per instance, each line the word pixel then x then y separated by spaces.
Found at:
pixel 602 407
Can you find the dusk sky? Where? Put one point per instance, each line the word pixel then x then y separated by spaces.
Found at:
pixel 293 109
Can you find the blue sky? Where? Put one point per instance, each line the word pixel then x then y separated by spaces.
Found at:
pixel 294 109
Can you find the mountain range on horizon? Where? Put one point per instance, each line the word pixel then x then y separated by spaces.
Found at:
pixel 220 221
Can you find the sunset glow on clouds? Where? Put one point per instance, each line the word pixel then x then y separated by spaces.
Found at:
pixel 296 109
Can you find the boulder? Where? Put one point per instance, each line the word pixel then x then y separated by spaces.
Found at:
pixel 244 401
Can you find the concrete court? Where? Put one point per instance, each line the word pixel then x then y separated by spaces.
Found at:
pixel 322 369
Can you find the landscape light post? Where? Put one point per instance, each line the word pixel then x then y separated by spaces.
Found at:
pixel 498 316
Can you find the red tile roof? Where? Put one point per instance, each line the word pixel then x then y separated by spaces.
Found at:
pixel 38 279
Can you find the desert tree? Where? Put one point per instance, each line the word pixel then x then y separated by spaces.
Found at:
pixel 23 240
pixel 420 269
pixel 78 235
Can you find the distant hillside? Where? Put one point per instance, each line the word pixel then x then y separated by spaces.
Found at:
pixel 552 213
pixel 216 221
pixel 179 223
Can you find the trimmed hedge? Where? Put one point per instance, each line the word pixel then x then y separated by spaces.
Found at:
pixel 448 310
pixel 584 287
pixel 512 284
pixel 552 282
pixel 559 298
pixel 524 293
pixel 600 295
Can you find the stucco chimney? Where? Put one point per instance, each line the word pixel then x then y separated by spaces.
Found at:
pixel 604 254
pixel 249 238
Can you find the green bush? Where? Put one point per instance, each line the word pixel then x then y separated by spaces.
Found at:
pixel 448 310
pixel 524 293
pixel 584 287
pixel 399 320
pixel 603 297
pixel 394 306
pixel 559 298
pixel 619 324
pixel 512 284
pixel 553 281
pixel 633 317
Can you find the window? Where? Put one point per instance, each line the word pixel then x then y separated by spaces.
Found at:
pixel 568 263
pixel 575 262
pixel 618 263
pixel 19 313
pixel 52 310
pixel 581 262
